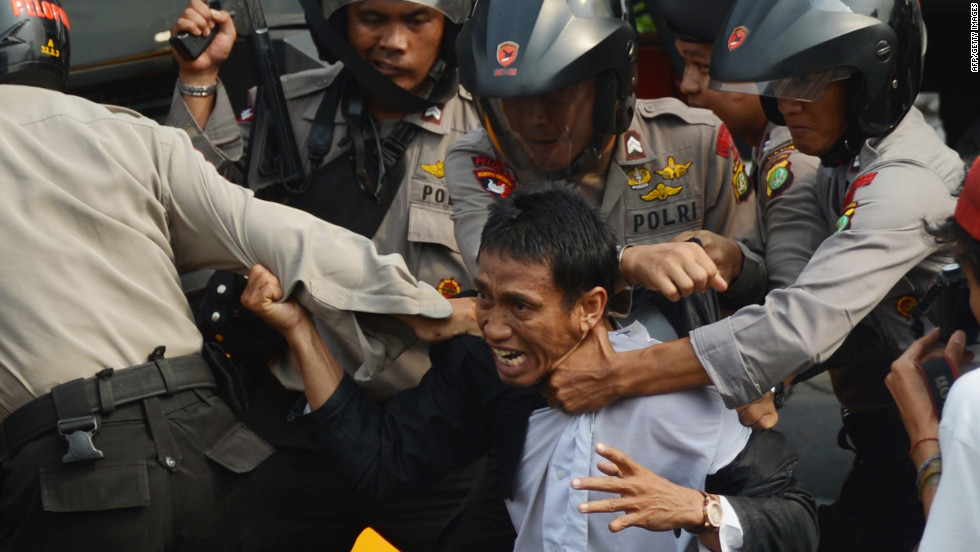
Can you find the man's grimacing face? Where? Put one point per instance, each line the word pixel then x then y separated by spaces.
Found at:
pixel 521 313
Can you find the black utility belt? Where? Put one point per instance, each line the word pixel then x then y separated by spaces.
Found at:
pixel 71 409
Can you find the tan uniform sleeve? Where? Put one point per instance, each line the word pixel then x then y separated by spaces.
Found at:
pixel 471 203
pixel 794 226
pixel 730 211
pixel 221 140
pixel 220 225
pixel 844 281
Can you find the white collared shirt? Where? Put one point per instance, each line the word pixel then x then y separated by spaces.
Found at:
pixel 682 436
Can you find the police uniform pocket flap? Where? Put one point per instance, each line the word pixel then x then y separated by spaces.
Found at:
pixel 431 225
pixel 96 486
pixel 240 450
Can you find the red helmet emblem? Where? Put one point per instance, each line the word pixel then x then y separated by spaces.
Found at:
pixel 737 37
pixel 507 53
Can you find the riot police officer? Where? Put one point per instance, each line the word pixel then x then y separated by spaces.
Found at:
pixel 373 128
pixel 555 83
pixel 119 430
pixel 883 171
pixel 784 177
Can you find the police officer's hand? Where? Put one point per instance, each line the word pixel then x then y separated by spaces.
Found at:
pixel 461 322
pixel 724 252
pixel 200 20
pixel 584 379
pixel 675 269
pixel 263 295
pixel 648 500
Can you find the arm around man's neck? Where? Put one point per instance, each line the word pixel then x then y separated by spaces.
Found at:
pixel 594 375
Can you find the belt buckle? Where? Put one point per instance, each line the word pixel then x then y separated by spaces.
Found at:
pixel 78 432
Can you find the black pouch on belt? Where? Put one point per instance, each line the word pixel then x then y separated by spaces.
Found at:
pixel 227 377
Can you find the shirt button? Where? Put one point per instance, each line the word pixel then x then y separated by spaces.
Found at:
pixel 560 474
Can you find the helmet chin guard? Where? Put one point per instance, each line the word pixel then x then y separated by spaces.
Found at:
pixel 521 49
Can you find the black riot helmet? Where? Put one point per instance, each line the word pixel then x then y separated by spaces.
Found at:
pixel 559 52
pixel 694 20
pixel 34 46
pixel 327 20
pixel 795 48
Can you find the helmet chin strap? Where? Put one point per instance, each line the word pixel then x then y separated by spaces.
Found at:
pixel 846 147
pixel 850 143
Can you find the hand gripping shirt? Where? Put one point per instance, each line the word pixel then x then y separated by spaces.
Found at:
pixel 417 225
pixel 104 208
pixel 876 260
pixel 675 169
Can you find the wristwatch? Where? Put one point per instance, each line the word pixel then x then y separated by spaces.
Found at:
pixel 712 515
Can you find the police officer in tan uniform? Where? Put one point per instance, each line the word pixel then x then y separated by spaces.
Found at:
pixel 784 178
pixel 118 430
pixel 346 123
pixel 558 107
pixel 883 174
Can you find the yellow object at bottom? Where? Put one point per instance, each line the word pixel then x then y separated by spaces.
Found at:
pixel 371 541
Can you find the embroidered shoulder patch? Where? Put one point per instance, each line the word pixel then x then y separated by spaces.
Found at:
pixel 493 175
pixel 741 185
pixel 779 175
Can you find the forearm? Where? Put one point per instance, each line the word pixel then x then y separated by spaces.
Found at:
pixel 659 369
pixel 216 134
pixel 921 453
pixel 320 370
pixel 200 107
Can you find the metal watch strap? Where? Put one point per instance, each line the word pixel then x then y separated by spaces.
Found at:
pixel 199 91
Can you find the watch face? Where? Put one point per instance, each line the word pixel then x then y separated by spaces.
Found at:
pixel 714 513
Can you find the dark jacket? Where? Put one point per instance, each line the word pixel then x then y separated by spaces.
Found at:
pixel 461 411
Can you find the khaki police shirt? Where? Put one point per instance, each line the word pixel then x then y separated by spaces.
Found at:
pixel 876 260
pixel 786 190
pixel 417 226
pixel 675 169
pixel 104 208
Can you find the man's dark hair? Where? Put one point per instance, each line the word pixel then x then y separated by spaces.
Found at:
pixel 951 232
pixel 554 225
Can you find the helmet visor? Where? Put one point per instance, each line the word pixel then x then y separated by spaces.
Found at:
pixel 454 10
pixel 805 88
pixel 544 132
